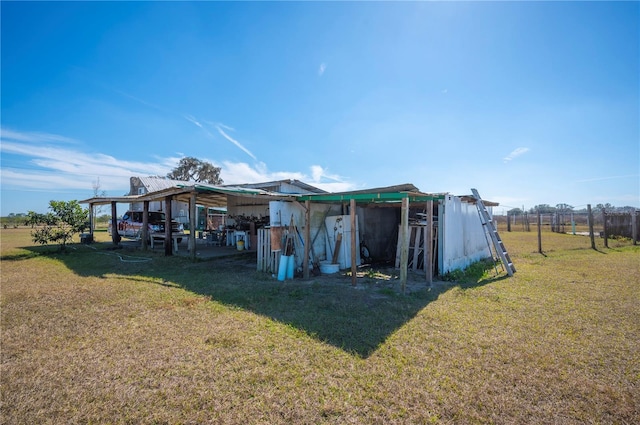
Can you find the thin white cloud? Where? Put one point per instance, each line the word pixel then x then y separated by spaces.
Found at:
pixel 323 67
pixel 318 173
pixel 142 101
pixel 336 186
pixel 226 127
pixel 198 124
pixel 47 166
pixel 34 137
pixel 597 179
pixel 515 153
pixel 235 142
pixel 240 172
pixel 192 120
pixel 221 129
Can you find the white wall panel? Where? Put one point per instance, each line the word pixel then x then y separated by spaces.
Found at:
pixel 461 235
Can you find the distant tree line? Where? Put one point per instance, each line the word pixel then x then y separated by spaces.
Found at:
pixel 567 209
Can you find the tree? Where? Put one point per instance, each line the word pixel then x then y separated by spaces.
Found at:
pixel 564 207
pixel 97 193
pixel 514 211
pixel 59 225
pixel 193 169
pixel 36 219
pixel 606 208
pixel 543 209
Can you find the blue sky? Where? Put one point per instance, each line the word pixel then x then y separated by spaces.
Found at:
pixel 530 103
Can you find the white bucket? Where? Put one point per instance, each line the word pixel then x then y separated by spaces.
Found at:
pixel 327 268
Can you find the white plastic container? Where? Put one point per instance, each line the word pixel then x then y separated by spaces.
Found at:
pixel 282 268
pixel 327 268
pixel 291 265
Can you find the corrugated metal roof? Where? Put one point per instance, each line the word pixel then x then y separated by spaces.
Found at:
pixel 213 195
pixel 102 200
pixel 388 194
pixel 294 182
pixel 154 184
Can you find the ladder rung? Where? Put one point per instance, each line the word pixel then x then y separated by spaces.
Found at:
pixel 499 247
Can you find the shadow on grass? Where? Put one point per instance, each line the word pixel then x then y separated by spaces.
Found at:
pixel 355 319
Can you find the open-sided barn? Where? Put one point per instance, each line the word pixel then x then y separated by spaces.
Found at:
pixel 432 232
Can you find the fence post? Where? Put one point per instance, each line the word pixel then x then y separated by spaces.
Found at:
pixel 539 234
pixel 508 222
pixel 634 227
pixel 604 223
pixel 590 215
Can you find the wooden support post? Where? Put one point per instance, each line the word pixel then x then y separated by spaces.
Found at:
pixel 92 221
pixel 590 215
pixel 192 226
pixel 604 223
pixel 307 239
pixel 404 243
pixel 354 266
pixel 634 226
pixel 168 242
pixel 145 225
pixel 115 236
pixel 539 233
pixel 413 259
pixel 428 244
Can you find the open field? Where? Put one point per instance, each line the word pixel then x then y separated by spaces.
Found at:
pixel 102 336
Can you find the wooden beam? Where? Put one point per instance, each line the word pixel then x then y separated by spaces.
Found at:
pixel 145 225
pixel 307 238
pixel 115 236
pixel 91 220
pixel 590 215
pixel 354 266
pixel 370 197
pixel 192 226
pixel 605 230
pixel 168 242
pixel 634 227
pixel 404 243
pixel 428 245
pixel 302 207
pixel 539 232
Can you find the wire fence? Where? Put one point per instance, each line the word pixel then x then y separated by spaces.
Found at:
pixel 601 224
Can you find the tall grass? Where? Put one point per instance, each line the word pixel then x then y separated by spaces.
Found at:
pixel 98 336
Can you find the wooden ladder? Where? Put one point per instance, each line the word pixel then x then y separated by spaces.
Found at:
pixel 490 228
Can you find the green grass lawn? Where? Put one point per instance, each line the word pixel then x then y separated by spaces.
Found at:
pixel 114 336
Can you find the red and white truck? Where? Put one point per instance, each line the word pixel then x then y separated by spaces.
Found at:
pixel 130 226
